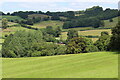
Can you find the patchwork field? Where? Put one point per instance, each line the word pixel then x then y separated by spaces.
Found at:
pixel 96 32
pixel 79 28
pixel 12 17
pixel 1 40
pixel 12 30
pixel 106 25
pixel 89 65
pixel 13 24
pixel 93 32
pixel 43 24
pixel 111 24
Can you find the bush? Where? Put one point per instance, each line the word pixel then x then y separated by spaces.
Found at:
pixel 110 20
pixel 80 45
pixel 71 34
pixel 115 39
pixel 30 44
pixel 103 42
pixel 20 43
pixel 61 49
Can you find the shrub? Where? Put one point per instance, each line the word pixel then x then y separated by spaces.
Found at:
pixel 30 44
pixel 110 20
pixel 61 49
pixel 115 39
pixel 20 43
pixel 103 42
pixel 80 45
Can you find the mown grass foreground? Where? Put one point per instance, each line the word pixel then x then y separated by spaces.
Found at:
pixel 89 65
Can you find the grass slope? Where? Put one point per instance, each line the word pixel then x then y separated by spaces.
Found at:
pixel 43 24
pixel 111 24
pixel 92 65
pixel 12 17
pixel 96 32
pixel 12 30
pixel 37 16
pixel 93 32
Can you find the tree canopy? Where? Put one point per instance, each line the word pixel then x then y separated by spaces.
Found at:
pixel 115 39
pixel 80 45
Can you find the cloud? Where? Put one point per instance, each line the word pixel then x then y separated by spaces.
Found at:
pixel 111 1
pixel 54 6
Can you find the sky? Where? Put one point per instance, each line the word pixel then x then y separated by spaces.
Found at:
pixel 54 5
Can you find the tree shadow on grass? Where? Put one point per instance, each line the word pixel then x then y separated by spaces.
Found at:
pixel 117 52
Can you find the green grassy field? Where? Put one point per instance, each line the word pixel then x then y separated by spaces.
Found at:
pixel 93 32
pixel 43 24
pixel 111 24
pixel 79 28
pixel 12 17
pixel 96 32
pixel 63 36
pixel 1 40
pixel 12 30
pixel 37 15
pixel 13 24
pixel 89 65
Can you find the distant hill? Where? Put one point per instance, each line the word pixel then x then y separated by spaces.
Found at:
pixel 42 16
pixel 44 24
pixel 109 24
pixel 12 17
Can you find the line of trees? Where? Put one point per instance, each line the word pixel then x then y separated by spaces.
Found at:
pixel 39 43
pixel 91 17
pixel 115 39
pixel 83 22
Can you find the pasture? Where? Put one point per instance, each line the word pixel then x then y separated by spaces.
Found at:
pixel 1 40
pixel 37 16
pixel 12 24
pixel 93 32
pixel 96 32
pixel 12 17
pixel 79 28
pixel 12 30
pixel 44 24
pixel 89 65
pixel 111 24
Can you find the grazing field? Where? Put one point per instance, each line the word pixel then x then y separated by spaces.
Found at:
pixel 1 40
pixel 63 36
pixel 12 17
pixel 13 24
pixel 43 24
pixel 93 32
pixel 38 16
pixel 111 24
pixel 79 28
pixel 96 32
pixel 12 30
pixel 18 28
pixel 89 65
